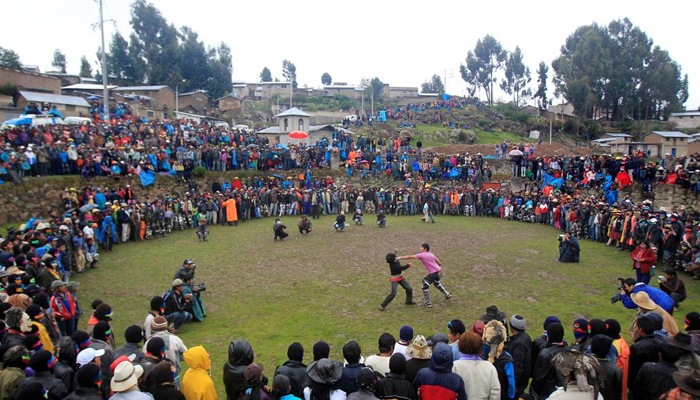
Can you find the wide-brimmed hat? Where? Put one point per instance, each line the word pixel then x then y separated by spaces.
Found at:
pixel 492 312
pixel 419 349
pixel 325 371
pixel 126 376
pixel 681 340
pixel 689 382
pixel 643 301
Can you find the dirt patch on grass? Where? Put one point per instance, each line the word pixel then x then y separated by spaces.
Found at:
pixel 488 149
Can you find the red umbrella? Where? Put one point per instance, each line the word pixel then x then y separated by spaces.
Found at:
pixel 298 135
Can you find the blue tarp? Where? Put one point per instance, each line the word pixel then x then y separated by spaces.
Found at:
pixel 18 121
pixel 445 96
pixel 148 178
pixel 550 180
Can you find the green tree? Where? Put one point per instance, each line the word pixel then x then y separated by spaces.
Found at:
pixel 136 67
pixel 434 85
pixel 118 57
pixel 483 63
pixel 376 88
pixel 326 78
pixel 221 70
pixel 59 61
pixel 266 75
pixel 517 77
pixel 289 72
pixel 85 68
pixel 195 61
pixel 541 93
pixel 9 59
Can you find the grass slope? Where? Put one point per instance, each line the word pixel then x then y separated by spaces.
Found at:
pixel 327 286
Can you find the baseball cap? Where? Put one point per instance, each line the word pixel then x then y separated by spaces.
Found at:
pixel 86 356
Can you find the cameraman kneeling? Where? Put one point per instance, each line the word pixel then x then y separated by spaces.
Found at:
pixel 569 249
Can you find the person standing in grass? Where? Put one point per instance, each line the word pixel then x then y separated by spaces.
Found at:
pixel 434 277
pixel 397 279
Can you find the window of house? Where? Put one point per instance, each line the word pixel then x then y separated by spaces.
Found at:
pixel 668 140
pixel 284 86
pixel 301 124
pixel 286 124
pixel 150 114
pixel 199 98
pixel 70 108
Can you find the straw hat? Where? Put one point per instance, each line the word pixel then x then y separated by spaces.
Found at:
pixel 126 376
pixel 643 301
pixel 419 349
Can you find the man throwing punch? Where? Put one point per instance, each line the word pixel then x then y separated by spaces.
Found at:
pixel 432 264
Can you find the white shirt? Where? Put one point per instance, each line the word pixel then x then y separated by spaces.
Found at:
pixel 88 232
pixel 401 349
pixel 378 363
pixel 335 395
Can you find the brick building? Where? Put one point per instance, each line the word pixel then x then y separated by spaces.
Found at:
pixel 194 102
pixel 69 106
pixel 229 103
pixel 29 81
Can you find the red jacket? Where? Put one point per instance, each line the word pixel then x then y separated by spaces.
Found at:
pixel 63 306
pixel 643 259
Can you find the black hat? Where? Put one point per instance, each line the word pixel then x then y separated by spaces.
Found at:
pixel 600 345
pixel 33 311
pixel 612 328
pixel 456 327
pixel 134 334
pixel 321 350
pixel 296 352
pixel 492 312
pixel 101 331
pixel 81 338
pixel 397 364
pixel 42 360
pixel 31 390
pixel 437 338
pixel 325 371
pixel 88 375
pixel 42 299
pixel 156 303
pixel 596 326
pixel 366 379
pixel 155 346
pixel 692 321
pixel 688 382
pixel 681 340
pixel 32 342
pixel 103 312
pixel 555 332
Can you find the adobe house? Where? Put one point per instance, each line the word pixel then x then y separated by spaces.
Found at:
pixel 659 143
pixel 160 95
pixel 292 120
pixel 69 106
pixel 616 143
pixel 195 102
pixel 30 81
pixel 229 103
pixel 686 120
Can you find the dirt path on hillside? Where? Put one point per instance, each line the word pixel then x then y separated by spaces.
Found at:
pixel 488 149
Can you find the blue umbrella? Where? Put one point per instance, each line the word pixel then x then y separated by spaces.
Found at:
pixel 18 121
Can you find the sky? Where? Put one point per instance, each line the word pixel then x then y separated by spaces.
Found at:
pixel 403 43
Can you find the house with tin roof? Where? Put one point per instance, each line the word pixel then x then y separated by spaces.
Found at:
pixel 660 143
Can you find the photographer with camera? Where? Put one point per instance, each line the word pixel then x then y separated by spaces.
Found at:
pixel 569 249
pixel 630 286
pixel 186 271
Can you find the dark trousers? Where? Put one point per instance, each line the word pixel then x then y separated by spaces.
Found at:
pixel 643 277
pixel 66 327
pixel 394 288
pixel 677 298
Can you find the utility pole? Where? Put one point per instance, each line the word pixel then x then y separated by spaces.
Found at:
pixel 372 102
pixel 105 91
pixel 550 131
pixel 291 92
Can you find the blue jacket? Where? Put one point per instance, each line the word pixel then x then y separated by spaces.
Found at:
pixel 348 381
pixel 656 295
pixel 438 382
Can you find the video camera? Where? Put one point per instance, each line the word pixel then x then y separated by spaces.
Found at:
pixel 617 296
pixel 200 287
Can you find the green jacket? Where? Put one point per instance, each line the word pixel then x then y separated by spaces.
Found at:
pixel 10 379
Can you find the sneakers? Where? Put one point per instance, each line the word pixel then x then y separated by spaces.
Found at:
pixel 448 296
pixel 427 305
pixel 381 308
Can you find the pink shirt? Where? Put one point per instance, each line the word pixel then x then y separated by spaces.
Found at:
pixel 429 261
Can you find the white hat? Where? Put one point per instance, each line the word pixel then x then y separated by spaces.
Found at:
pixel 86 356
pixel 126 376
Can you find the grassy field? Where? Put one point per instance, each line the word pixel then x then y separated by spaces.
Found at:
pixel 327 286
pixel 427 131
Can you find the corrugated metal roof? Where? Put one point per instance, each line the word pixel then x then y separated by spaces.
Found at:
pixel 270 130
pixel 686 114
pixel 669 134
pixel 604 140
pixel 87 86
pixel 618 135
pixel 54 99
pixel 292 112
pixel 144 88
pixel 195 92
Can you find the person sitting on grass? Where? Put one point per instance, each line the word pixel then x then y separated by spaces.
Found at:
pixel 340 222
pixel 381 219
pixel 304 225
pixel 279 228
pixel 357 217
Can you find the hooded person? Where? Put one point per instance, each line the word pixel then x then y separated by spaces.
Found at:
pixel 89 379
pixel 66 365
pixel 43 363
pixel 240 355
pixel 163 384
pixel 438 382
pixel 321 350
pixel 125 383
pixel 601 344
pixel 394 385
pixel 15 361
pixel 295 369
pixel 544 376
pixel 420 354
pixel 196 383
pixel 324 376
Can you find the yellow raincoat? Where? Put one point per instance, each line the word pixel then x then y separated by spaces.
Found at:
pixel 197 384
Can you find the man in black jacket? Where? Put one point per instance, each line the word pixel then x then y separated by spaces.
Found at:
pixel 544 376
pixel 519 345
pixel 295 370
pixel 352 354
pixel 645 348
pixel 656 378
pixel 395 385
pixel 176 305
pixel 240 355
pixel 43 362
pixel 600 347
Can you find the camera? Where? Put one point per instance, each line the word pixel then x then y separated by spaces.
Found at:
pixel 201 287
pixel 617 296
pixel 561 238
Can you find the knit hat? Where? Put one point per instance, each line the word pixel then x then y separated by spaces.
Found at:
pixel 101 331
pixel 518 322
pixel 555 332
pixel 397 364
pixel 42 360
pixel 156 303
pixel 419 349
pixel 133 334
pixel 88 376
pixel 281 383
pixel 35 312
pixel 95 304
pixel 32 390
pixel 596 327
pixel 81 338
pixel 478 327
pixel 549 320
pixel 600 345
pixel 32 342
pixel 456 327
pixel 580 328
pixel 366 379
pixel 103 312
pixel 433 340
pixel 159 323
pixel 253 372
pixel 406 333
pixel 42 299
pixel 321 350
pixel 692 321
pixel 295 352
pixel 613 328
pixel 657 319
pixel 155 346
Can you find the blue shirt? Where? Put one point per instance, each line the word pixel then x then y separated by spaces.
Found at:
pixel 656 295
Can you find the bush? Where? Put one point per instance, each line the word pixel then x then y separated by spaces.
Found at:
pixel 199 172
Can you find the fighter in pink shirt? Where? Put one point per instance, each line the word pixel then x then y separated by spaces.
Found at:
pixel 433 265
